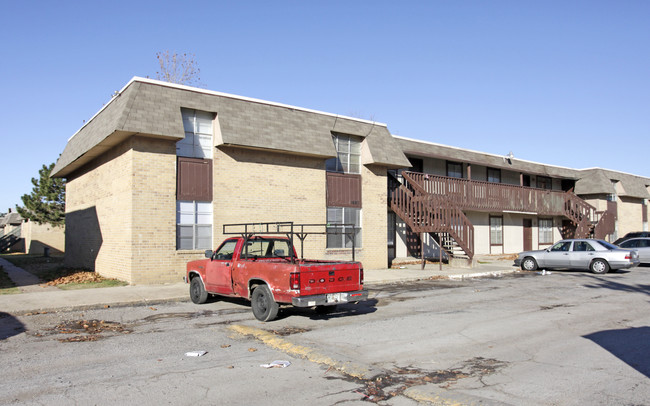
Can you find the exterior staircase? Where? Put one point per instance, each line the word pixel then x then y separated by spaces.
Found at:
pixel 436 214
pixel 434 204
pixel 9 239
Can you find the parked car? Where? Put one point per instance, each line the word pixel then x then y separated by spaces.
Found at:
pixel 640 245
pixel 598 256
pixel 635 234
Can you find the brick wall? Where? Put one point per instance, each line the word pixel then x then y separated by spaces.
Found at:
pixel 122 209
pixel 630 215
pixel 39 236
pixel 98 220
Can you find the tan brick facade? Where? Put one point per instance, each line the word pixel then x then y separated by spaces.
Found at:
pixel 98 220
pixel 123 208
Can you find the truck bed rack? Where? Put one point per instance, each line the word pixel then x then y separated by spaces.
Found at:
pixel 291 229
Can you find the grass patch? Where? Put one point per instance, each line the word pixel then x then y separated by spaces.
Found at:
pixel 105 283
pixel 7 286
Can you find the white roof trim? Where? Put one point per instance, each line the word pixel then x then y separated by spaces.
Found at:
pixel 214 93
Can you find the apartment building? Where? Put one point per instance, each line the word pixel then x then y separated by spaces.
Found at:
pixel 156 173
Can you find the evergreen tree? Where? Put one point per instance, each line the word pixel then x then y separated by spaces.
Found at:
pixel 46 203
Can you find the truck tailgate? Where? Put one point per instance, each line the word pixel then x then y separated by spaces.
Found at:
pixel 333 277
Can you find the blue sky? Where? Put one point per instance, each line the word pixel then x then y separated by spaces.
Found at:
pixel 560 82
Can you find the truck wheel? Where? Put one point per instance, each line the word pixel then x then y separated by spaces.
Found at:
pixel 197 291
pixel 264 307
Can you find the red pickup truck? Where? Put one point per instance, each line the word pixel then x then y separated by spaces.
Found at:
pixel 266 271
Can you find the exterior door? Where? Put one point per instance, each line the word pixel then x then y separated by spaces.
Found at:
pixel 528 235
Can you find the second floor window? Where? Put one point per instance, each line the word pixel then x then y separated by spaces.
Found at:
pixel 348 155
pixel 544 182
pixel 198 134
pixel 454 169
pixel 494 175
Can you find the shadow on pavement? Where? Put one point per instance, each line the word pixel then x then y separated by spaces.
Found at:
pixel 630 345
pixel 605 283
pixel 10 326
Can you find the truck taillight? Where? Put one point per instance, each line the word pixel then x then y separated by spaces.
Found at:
pixel 361 276
pixel 295 281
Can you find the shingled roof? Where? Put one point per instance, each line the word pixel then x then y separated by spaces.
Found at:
pixel 588 181
pixel 152 108
pixel 599 181
pixel 417 148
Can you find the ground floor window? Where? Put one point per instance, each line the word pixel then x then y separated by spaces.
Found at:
pixel 336 236
pixel 546 231
pixel 496 230
pixel 193 225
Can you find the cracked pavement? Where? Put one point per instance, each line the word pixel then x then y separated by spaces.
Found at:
pixel 569 338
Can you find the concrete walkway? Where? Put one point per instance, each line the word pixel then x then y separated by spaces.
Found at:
pixel 24 280
pixel 39 298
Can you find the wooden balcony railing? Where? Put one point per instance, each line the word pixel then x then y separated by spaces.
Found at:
pixel 489 196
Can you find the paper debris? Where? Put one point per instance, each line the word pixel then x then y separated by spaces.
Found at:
pixel 276 364
pixel 195 353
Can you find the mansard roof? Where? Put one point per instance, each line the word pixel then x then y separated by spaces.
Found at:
pixel 153 108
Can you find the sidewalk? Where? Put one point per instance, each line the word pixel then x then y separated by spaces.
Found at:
pixel 37 298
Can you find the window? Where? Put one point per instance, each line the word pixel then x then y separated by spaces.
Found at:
pixel 226 250
pixel 496 230
pixel 336 236
pixel 392 220
pixel 582 246
pixel 266 248
pixel 348 150
pixel 544 182
pixel 494 175
pixel 193 225
pixel 198 134
pixel 562 246
pixel 546 231
pixel 454 169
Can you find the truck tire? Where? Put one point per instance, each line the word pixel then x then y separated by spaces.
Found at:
pixel 263 305
pixel 198 293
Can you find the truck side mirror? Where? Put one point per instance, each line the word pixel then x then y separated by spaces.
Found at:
pixel 208 253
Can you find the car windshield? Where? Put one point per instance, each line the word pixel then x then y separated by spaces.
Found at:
pixel 607 245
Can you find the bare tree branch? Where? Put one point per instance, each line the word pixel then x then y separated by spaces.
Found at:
pixel 174 68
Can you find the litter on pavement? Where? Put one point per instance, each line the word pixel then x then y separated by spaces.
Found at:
pixel 276 364
pixel 195 353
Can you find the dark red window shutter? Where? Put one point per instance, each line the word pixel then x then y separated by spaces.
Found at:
pixel 343 190
pixel 194 179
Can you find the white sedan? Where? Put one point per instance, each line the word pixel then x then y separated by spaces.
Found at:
pixel 598 256
pixel 641 245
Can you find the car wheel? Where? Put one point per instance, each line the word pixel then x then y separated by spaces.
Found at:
pixel 599 266
pixel 264 307
pixel 326 309
pixel 529 264
pixel 198 293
